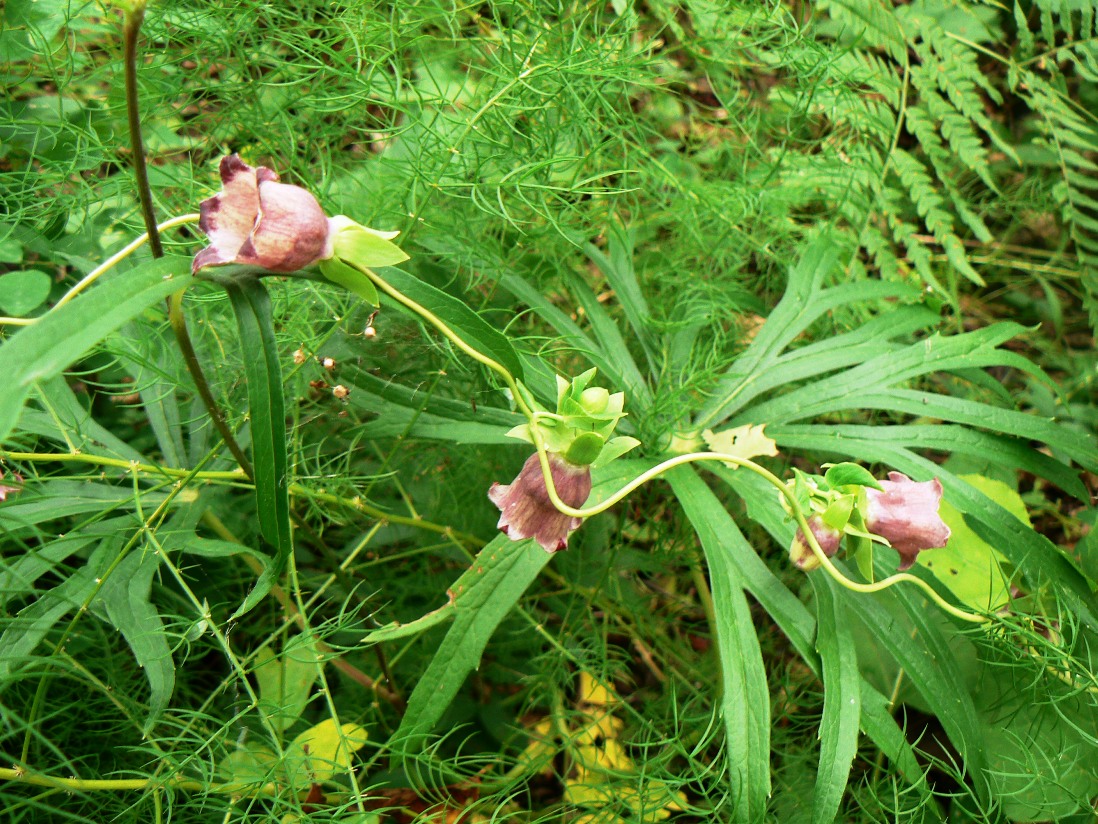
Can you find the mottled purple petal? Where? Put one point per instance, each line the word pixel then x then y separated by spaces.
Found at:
pixel 801 554
pixel 258 221
pixel 525 508
pixel 905 512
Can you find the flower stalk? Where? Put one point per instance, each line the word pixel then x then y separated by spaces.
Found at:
pixel 134 16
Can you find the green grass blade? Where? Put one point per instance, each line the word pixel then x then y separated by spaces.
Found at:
pixel 252 306
pixel 63 335
pixel 842 701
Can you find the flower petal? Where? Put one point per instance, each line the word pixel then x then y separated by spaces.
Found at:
pixel 229 217
pixel 801 554
pixel 257 221
pixel 905 512
pixel 525 508
pixel 292 231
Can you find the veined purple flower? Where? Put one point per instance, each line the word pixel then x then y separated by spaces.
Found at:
pixel 906 514
pixel 257 221
pixel 525 508
pixel 801 554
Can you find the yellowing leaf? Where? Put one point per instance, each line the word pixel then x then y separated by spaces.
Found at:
pixel 322 751
pixel 250 764
pixel 747 441
pixel 285 683
pixel 593 691
pixel 539 752
pixel 604 777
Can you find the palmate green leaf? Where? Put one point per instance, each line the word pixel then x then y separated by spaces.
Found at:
pixel 842 701
pixel 745 697
pixel 456 314
pixel 832 353
pixel 252 307
pixel 63 335
pixel 762 366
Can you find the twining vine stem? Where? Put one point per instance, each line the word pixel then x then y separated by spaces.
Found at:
pixel 679 460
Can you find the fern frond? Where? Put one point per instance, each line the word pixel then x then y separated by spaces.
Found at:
pixel 931 207
pixel 873 25
pixel 1072 137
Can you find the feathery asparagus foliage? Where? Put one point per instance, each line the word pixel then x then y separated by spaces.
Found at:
pixel 734 210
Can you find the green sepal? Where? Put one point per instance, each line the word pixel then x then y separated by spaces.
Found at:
pixel 844 474
pixel 584 449
pixel 862 550
pixel 351 279
pixel 364 247
pixel 838 512
pixel 614 449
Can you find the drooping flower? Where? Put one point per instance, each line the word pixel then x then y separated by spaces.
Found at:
pixel 906 514
pixel 257 221
pixel 525 508
pixel 801 554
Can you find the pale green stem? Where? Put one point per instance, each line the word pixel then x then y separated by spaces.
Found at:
pixel 656 471
pixel 116 258
pixel 103 268
pixel 455 339
pixel 239 476
pixel 91 785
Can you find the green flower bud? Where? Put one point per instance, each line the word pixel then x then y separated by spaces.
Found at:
pixel 595 400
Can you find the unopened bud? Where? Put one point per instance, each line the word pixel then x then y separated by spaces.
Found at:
pixel 595 400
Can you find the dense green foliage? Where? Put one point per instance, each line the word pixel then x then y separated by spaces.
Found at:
pixel 869 226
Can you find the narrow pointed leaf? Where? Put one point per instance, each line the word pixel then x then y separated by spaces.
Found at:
pixel 745 697
pixel 63 335
pixel 456 314
pixel 252 306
